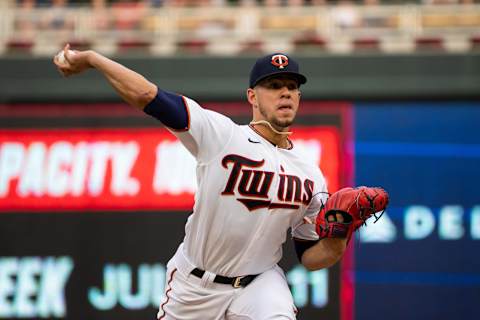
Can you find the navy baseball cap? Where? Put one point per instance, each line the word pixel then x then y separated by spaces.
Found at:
pixel 275 64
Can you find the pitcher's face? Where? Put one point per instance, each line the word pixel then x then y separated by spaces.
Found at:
pixel 275 100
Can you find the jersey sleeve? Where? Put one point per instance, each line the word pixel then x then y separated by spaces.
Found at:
pixel 207 132
pixel 203 132
pixel 305 229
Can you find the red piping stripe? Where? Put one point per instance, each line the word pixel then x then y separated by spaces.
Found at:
pixel 166 294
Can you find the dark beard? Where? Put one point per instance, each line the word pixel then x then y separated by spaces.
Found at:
pixel 277 124
pixel 280 124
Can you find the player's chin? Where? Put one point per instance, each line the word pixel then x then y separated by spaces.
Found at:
pixel 284 122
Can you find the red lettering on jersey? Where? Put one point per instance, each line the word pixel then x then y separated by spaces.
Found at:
pixel 294 190
pixel 281 187
pixel 293 184
pixel 238 163
pixel 253 189
pixel 253 204
pixel 255 184
pixel 308 194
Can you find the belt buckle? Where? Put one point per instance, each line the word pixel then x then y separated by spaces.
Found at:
pixel 236 283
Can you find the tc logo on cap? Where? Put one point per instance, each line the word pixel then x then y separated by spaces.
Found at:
pixel 280 61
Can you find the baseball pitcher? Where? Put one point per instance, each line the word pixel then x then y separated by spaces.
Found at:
pixel 252 188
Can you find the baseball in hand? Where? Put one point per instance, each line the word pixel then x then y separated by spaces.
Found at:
pixel 61 56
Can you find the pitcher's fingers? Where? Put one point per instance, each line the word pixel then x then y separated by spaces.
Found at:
pixel 66 70
pixel 66 53
pixel 57 62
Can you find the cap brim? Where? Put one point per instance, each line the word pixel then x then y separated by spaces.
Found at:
pixel 300 77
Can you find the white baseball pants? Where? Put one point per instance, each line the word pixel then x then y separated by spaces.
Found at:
pixel 188 297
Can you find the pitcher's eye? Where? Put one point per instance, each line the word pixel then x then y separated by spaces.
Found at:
pixel 276 85
pixel 292 86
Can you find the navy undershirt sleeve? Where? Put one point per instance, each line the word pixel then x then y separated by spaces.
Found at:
pixel 170 109
pixel 302 245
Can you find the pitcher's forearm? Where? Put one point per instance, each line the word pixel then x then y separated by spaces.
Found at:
pixel 324 254
pixel 130 85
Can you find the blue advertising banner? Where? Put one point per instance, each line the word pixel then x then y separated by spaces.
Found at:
pixel 420 260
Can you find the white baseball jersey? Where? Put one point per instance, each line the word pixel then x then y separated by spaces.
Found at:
pixel 249 193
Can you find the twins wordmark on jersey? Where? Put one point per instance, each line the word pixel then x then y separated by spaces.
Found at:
pixel 253 185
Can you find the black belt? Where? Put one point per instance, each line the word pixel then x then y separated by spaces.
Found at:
pixel 236 282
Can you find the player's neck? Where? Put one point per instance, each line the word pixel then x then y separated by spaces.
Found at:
pixel 280 140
